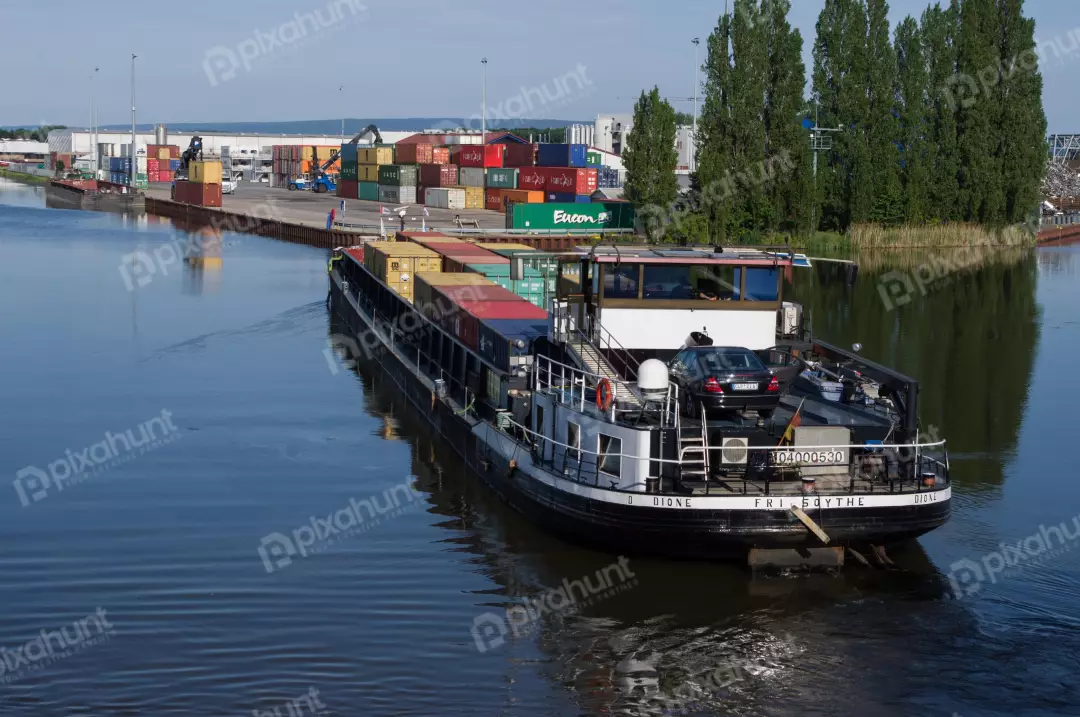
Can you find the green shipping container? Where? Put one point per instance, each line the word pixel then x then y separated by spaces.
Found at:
pixel 594 158
pixel 367 190
pixel 398 175
pixel 532 288
pixel 546 265
pixel 571 217
pixel 502 178
pixel 348 170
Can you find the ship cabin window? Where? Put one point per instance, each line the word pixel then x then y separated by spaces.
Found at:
pixel 610 455
pixel 573 439
pixel 621 281
pixel 762 284
pixel 715 282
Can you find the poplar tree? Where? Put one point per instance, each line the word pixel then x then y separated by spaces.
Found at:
pixel 880 198
pixel 939 30
pixel 912 101
pixel 650 156
pixel 974 91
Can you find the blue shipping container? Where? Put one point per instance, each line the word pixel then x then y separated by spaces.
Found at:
pixel 561 155
pixel 501 339
pixel 563 198
pixel 348 153
pixel 174 164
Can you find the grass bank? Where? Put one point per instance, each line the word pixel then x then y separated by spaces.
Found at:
pixel 941 236
pixel 25 178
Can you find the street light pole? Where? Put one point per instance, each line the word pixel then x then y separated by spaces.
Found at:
pixel 697 83
pixel 340 89
pixel 134 158
pixel 483 105
pixel 93 127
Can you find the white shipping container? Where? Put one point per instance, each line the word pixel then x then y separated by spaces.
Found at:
pixel 444 197
pixel 472 176
pixel 397 195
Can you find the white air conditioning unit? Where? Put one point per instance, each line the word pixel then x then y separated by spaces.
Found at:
pixel 735 451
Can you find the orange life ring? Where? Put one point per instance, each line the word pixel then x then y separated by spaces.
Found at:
pixel 604 395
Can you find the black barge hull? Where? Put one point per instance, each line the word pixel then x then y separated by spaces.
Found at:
pixel 647 529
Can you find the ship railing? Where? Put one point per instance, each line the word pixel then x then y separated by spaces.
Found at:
pixel 581 465
pixel 570 385
pixel 600 338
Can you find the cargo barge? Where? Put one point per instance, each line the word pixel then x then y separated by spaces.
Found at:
pixel 93 195
pixel 573 413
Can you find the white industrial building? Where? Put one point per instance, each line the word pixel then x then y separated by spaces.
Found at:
pixel 250 153
pixel 611 132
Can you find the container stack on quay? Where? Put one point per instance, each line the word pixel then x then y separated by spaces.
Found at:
pixel 294 161
pixel 202 187
pixel 162 161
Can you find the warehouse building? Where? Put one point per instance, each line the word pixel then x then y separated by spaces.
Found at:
pixel 23 150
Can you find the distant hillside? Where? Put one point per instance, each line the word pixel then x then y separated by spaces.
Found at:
pixel 332 127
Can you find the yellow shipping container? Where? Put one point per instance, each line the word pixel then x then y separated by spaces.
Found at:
pixel 367 172
pixel 509 247
pixel 205 172
pixel 375 155
pixel 474 198
pixel 163 153
pixel 396 264
pixel 325 153
pixel 441 279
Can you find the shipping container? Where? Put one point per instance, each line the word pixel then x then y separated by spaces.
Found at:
pixel 419 153
pixel 367 173
pixel 493 199
pixel 569 180
pixel 444 197
pixel 609 215
pixel 424 292
pixel 533 286
pixel 153 165
pixel 504 249
pixel 348 153
pixel 368 191
pixel 397 195
pixel 561 155
pixel 438 175
pixel 206 172
pixel 399 175
pixel 396 263
pixel 456 262
pixel 503 340
pixel 197 193
pixel 532 178
pixel 471 177
pixel 519 155
pixel 174 164
pixel 594 159
pixel 502 178
pixel 465 324
pixel 346 188
pixel 474 292
pixel 521 196
pixel 561 198
pixel 483 155
pixel 356 252
pixel 375 155
pixel 440 155
pixel 474 197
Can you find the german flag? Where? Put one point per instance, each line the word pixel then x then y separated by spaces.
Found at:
pixel 795 422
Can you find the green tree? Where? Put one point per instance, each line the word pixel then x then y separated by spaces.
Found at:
pixel 715 135
pixel 974 91
pixel 882 193
pixel 912 102
pixel 939 35
pixel 650 157
pixel 1023 150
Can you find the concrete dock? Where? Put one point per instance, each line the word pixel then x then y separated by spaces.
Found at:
pixel 308 209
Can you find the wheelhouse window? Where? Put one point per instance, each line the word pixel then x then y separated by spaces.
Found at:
pixel 762 284
pixel 695 281
pixel 610 455
pixel 621 281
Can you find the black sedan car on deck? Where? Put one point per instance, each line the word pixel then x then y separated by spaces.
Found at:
pixel 724 378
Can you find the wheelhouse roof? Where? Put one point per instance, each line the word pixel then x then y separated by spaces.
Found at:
pixel 638 254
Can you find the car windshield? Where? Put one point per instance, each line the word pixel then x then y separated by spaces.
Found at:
pixel 725 360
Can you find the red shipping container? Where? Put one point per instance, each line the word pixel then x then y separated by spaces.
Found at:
pixel 459 294
pixel 493 200
pixel 465 325
pixel 480 155
pixel 347 188
pixel 519 155
pixel 532 178
pixel 458 264
pixel 174 152
pixel 356 252
pixel 438 175
pixel 568 180
pixel 153 165
pixel 440 155
pixel 413 154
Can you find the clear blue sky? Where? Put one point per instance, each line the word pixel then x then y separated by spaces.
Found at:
pixel 395 59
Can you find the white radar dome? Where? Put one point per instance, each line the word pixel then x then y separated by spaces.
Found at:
pixel 652 378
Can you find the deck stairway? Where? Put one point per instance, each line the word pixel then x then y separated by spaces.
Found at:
pixel 592 360
pixel 693 450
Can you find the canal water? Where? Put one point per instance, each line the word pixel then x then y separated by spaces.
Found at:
pixel 166 423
